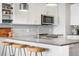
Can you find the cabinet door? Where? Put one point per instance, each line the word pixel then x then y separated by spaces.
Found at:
pixel 35 11
pixel 75 14
pixel 31 17
pixel 19 17
pixel 53 11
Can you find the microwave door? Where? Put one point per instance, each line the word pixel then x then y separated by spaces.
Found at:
pixel 47 20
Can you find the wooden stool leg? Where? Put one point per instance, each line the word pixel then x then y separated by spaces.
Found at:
pixel 35 53
pixel 41 53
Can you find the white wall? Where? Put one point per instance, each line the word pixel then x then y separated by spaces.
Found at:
pixel 68 18
pixel 63 26
pixel 60 28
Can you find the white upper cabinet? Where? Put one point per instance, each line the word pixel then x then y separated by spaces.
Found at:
pixel 33 15
pixel 20 17
pixel 53 11
pixel 75 14
pixel 35 11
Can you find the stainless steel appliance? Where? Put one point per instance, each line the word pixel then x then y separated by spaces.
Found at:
pixel 47 20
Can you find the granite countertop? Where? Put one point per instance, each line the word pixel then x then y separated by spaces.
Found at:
pixel 60 42
pixel 53 41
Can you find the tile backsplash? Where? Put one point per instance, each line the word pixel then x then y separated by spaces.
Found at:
pixel 21 30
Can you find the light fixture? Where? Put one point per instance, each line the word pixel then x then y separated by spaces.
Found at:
pixel 51 4
pixel 24 6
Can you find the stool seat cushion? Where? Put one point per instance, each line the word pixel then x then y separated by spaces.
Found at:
pixel 19 45
pixel 36 49
pixel 5 43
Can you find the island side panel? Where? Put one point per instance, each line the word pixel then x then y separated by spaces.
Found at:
pixel 74 50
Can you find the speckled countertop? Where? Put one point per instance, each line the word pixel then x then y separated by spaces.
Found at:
pixel 53 41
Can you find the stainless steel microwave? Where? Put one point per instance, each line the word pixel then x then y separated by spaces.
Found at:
pixel 47 20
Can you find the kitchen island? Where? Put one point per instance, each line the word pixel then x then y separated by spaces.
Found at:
pixel 56 46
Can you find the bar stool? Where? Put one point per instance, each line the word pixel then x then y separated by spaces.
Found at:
pixel 19 47
pixel 35 50
pixel 6 45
